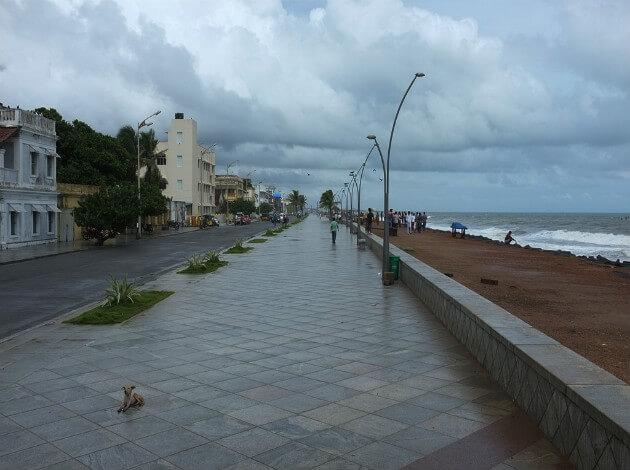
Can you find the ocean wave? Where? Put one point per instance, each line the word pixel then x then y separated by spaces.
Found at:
pixel 609 245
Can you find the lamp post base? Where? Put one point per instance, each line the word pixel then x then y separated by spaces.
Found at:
pixel 388 278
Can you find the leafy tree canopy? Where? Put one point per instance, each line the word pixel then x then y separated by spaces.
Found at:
pixel 107 213
pixel 327 201
pixel 265 208
pixel 88 156
pixel 242 205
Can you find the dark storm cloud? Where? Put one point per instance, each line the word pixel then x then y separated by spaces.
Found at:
pixel 290 86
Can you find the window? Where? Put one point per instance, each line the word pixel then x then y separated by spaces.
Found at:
pixel 50 169
pixel 35 223
pixel 180 161
pixel 180 137
pixel 161 160
pixel 180 185
pixel 51 221
pixel 34 163
pixel 14 223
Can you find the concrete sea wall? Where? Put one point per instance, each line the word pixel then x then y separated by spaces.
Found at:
pixel 582 409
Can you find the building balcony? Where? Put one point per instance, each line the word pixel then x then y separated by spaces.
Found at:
pixel 27 120
pixel 8 177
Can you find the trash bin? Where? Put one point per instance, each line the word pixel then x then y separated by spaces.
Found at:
pixel 394 265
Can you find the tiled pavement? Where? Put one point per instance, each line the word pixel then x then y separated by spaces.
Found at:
pixel 293 356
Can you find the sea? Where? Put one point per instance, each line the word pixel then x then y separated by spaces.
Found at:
pixel 607 235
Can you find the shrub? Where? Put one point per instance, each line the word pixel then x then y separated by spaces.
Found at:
pixel 121 292
pixel 270 233
pixel 207 263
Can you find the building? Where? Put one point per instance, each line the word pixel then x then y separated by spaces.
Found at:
pixel 28 181
pixel 189 169
pixel 228 188
pixel 69 196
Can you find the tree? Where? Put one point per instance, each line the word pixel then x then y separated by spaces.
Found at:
pixel 297 200
pixel 105 214
pixel 153 202
pixel 88 156
pixel 265 208
pixel 148 156
pixel 242 205
pixel 302 202
pixel 327 201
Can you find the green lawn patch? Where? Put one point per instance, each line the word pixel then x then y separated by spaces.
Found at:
pixel 109 314
pixel 237 250
pixel 258 240
pixel 203 268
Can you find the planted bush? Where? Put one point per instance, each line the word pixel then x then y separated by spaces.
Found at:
pixel 121 292
pixel 207 263
pixel 238 248
pixel 258 240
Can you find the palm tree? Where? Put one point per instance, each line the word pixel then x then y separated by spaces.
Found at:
pixel 302 202
pixel 148 155
pixel 327 201
pixel 294 199
pixel 148 158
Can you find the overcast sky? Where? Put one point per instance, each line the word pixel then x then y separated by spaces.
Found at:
pixel 525 106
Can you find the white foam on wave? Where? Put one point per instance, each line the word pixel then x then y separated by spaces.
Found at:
pixel 609 245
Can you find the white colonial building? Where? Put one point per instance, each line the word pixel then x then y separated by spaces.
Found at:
pixel 28 183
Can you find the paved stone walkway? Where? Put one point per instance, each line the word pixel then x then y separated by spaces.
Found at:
pixel 293 356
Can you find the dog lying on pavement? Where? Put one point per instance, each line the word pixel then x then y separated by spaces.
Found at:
pixel 130 398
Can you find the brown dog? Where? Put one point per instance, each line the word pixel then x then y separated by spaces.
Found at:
pixel 130 398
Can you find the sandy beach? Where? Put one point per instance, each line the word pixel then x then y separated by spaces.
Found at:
pixel 581 304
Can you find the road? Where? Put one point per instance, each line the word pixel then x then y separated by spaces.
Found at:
pixel 37 290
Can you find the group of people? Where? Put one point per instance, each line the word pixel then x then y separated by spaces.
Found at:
pixel 415 222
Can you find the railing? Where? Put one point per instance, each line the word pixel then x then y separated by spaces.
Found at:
pixel 28 119
pixel 8 176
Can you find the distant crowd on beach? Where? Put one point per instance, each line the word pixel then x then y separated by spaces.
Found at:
pixel 414 222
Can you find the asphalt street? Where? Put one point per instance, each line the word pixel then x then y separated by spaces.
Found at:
pixel 37 290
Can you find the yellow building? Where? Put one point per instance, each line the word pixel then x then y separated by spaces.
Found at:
pixel 69 195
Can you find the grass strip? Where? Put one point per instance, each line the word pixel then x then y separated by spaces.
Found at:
pixel 204 269
pixel 237 250
pixel 258 240
pixel 110 314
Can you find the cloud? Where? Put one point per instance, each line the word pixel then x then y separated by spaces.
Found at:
pixel 284 86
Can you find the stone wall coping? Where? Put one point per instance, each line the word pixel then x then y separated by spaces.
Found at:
pixel 602 395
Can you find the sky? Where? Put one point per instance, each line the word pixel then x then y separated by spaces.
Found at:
pixel 525 105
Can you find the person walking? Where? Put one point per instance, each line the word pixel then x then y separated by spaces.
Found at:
pixel 369 218
pixel 410 219
pixel 334 226
pixel 424 221
pixel 418 222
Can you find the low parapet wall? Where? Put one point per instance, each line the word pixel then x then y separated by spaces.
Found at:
pixel 581 408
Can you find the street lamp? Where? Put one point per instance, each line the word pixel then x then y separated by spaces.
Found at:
pixel 386 178
pixel 353 185
pixel 141 124
pixel 227 191
pixel 361 169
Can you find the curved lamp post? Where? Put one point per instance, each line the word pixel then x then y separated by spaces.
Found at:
pixel 141 124
pixel 386 177
pixel 227 191
pixel 361 169
pixel 354 185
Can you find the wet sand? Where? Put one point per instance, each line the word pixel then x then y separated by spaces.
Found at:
pixel 582 304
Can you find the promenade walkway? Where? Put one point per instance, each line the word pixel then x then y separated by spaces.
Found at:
pixel 293 356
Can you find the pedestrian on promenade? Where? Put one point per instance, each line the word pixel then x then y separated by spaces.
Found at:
pixel 334 226
pixel 369 218
pixel 418 222
pixel 410 219
pixel 424 221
